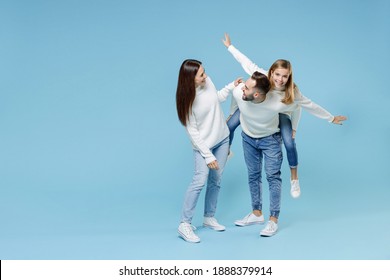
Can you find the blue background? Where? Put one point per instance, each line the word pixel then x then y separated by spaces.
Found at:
pixel 94 163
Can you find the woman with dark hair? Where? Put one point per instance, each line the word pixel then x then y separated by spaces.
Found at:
pixel 199 111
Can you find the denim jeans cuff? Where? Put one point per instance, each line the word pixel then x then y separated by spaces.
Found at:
pixel 208 215
pixel 275 214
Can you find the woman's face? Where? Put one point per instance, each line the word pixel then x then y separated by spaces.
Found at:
pixel 280 77
pixel 200 78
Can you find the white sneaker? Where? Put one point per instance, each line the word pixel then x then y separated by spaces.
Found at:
pixel 270 229
pixel 212 222
pixel 250 219
pixel 295 189
pixel 186 232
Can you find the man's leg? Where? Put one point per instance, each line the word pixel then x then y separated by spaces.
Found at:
pixel 273 161
pixel 253 159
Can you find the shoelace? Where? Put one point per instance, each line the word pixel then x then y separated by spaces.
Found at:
pixel 270 226
pixel 247 217
pixel 295 187
pixel 213 221
pixel 188 229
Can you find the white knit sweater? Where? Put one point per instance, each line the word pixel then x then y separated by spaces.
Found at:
pixel 207 125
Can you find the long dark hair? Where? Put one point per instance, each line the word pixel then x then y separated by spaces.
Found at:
pixel 185 93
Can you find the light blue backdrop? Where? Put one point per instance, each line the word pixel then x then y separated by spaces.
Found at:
pixel 94 163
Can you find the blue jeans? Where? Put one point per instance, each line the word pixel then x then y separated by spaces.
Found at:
pixel 233 122
pixel 203 175
pixel 285 130
pixel 269 148
pixel 288 141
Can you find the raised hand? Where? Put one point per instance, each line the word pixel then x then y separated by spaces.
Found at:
pixel 227 42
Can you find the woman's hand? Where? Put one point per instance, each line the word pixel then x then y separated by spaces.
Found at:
pixel 293 134
pixel 213 165
pixel 238 81
pixel 227 41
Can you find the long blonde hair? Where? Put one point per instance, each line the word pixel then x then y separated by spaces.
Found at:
pixel 290 86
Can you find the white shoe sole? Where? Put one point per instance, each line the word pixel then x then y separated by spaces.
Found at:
pixel 267 234
pixel 242 224
pixel 188 240
pixel 295 194
pixel 214 228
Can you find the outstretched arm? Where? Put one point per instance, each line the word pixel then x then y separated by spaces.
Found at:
pixel 227 42
pixel 316 109
pixel 339 120
pixel 246 63
pixel 227 90
pixel 233 103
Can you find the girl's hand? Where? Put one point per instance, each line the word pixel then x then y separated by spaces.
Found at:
pixel 227 41
pixel 339 120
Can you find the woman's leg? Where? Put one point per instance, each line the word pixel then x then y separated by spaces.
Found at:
pixel 199 180
pixel 214 179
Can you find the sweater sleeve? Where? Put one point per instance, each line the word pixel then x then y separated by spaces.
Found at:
pixel 312 107
pixel 197 141
pixel 233 106
pixel 295 117
pixel 225 92
pixel 246 63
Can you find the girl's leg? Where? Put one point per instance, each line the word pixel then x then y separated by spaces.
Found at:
pixel 291 150
pixel 233 122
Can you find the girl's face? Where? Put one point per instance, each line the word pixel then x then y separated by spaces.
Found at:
pixel 280 77
pixel 200 78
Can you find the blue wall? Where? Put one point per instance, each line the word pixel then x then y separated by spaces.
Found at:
pixel 94 163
